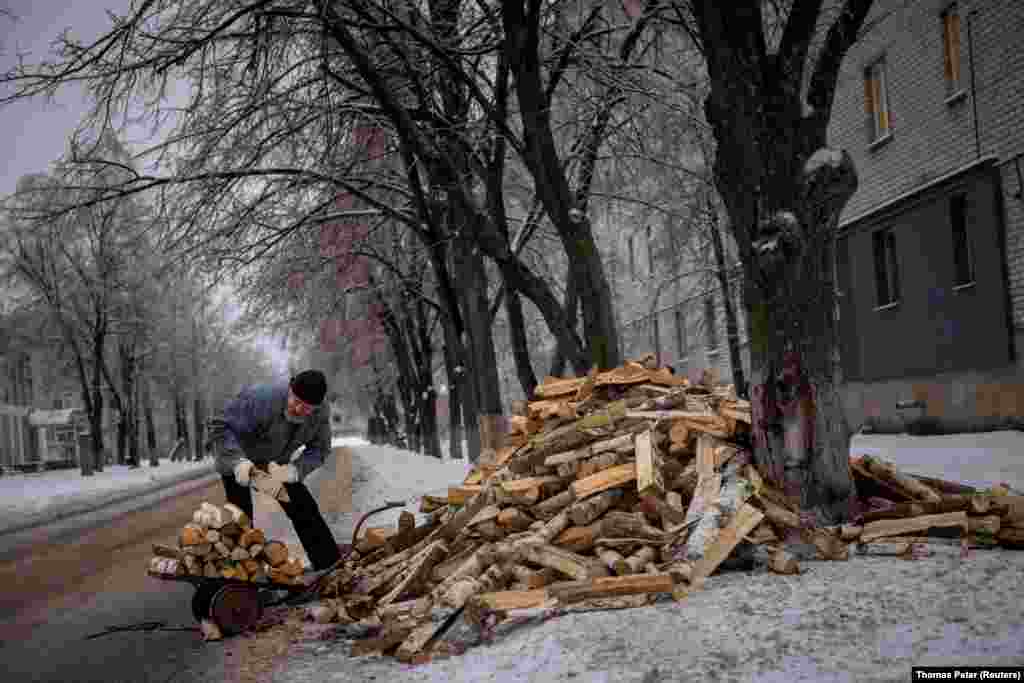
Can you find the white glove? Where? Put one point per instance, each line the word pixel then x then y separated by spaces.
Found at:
pixel 289 474
pixel 242 471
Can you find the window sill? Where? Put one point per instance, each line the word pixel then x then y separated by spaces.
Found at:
pixel 880 142
pixel 887 307
pixel 959 96
pixel 713 352
pixel 966 285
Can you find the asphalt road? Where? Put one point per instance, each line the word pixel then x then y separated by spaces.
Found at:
pixel 82 581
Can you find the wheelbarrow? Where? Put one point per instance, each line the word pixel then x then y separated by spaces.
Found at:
pixel 237 606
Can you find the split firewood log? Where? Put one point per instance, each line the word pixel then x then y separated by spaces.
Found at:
pixel 237 516
pixel 191 534
pixel 252 537
pixel 276 553
pixel 586 511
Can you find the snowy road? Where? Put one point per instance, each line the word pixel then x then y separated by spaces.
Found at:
pixel 66 589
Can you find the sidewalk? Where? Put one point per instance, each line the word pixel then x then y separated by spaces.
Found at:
pixel 32 500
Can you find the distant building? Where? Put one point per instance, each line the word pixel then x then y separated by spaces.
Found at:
pixel 930 258
pixel 667 296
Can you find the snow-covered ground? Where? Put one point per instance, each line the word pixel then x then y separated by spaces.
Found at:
pixel 980 460
pixel 26 498
pixel 868 619
pixel 977 459
pixel 379 475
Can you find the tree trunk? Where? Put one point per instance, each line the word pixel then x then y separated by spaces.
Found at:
pixel 784 192
pixel 572 307
pixel 520 344
pixel 199 423
pixel 86 462
pixel 429 441
pixel 181 423
pixel 483 389
pixel 96 414
pixel 801 438
pixel 452 353
pixel 147 406
pixel 731 325
pixel 129 412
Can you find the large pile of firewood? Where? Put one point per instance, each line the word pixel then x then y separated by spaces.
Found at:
pixel 610 491
pixel 220 542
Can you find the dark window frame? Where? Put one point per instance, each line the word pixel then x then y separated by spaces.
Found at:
pixel 878 111
pixel 964 273
pixel 886 266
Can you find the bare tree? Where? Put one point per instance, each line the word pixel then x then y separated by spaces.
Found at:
pixel 772 71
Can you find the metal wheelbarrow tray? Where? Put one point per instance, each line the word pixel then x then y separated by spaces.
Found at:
pixel 237 606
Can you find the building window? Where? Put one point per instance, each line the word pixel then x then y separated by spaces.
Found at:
pixel 962 261
pixel 680 316
pixel 876 101
pixel 711 329
pixel 887 281
pixel 951 49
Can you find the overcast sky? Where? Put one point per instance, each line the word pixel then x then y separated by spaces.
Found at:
pixel 34 133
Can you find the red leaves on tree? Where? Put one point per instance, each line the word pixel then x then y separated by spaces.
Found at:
pixel 372 139
pixel 296 280
pixel 340 238
pixel 352 272
pixel 368 338
pixel 633 8
pixel 331 332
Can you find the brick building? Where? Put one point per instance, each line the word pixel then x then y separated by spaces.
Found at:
pixel 930 258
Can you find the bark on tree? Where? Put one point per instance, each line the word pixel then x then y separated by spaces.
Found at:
pixel 198 404
pixel 456 384
pixel 147 406
pixel 732 331
pixel 181 422
pixel 784 190
pixel 522 49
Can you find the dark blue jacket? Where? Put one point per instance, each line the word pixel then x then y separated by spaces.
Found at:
pixel 253 425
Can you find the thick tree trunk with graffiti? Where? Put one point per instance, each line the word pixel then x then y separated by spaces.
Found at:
pixel 784 190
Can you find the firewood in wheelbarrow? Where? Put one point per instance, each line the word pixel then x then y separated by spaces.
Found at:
pixel 200 551
pixel 275 552
pixel 277 576
pixel 191 534
pixel 292 567
pixel 210 630
pixel 161 550
pixel 252 537
pixel 165 566
pixel 237 516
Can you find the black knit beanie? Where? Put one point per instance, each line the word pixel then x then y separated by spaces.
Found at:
pixel 310 386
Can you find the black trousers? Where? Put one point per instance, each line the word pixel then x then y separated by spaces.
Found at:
pixel 314 534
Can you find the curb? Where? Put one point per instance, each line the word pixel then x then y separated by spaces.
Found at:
pixel 75 510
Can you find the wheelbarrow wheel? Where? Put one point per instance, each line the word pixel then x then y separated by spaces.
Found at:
pixel 201 600
pixel 236 609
